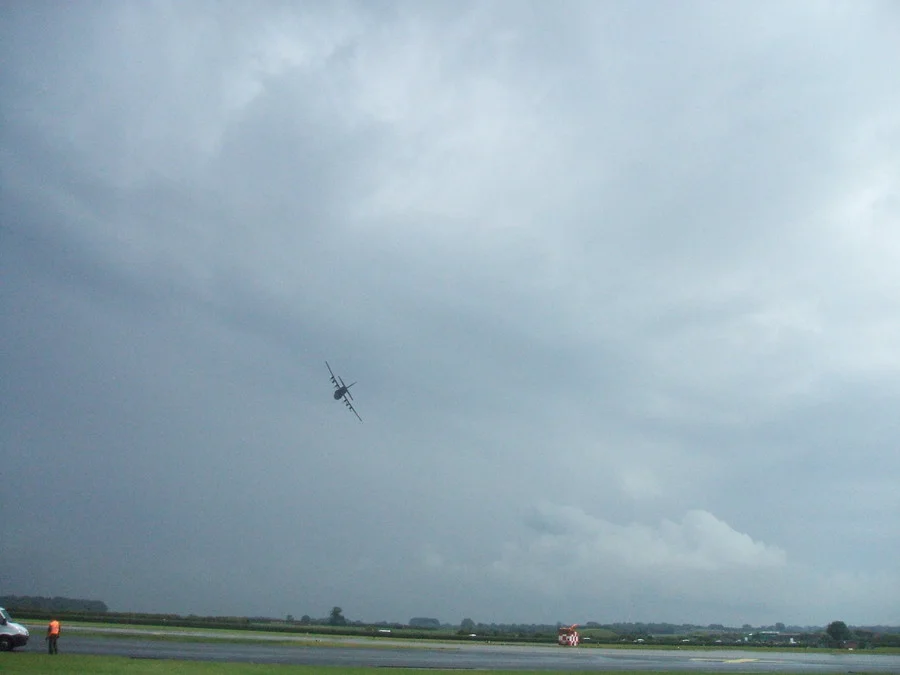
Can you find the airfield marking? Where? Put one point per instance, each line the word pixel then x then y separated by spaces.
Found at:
pixel 712 660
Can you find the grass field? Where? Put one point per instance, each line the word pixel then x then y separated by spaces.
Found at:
pixel 64 664
pixel 175 634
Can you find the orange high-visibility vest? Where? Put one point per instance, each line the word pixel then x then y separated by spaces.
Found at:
pixel 54 628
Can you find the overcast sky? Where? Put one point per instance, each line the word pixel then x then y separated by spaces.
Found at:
pixel 619 283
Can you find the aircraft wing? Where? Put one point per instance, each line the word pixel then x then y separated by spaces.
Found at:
pixel 352 409
pixel 333 380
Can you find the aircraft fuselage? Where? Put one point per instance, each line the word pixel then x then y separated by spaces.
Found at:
pixel 339 393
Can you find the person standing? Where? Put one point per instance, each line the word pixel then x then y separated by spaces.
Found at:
pixel 52 636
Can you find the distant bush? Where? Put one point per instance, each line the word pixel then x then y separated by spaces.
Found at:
pixel 422 622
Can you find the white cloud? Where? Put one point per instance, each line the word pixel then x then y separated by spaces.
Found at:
pixel 699 566
pixel 567 536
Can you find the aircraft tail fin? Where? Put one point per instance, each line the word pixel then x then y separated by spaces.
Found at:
pixel 346 386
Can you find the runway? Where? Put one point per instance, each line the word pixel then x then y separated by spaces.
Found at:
pixel 466 656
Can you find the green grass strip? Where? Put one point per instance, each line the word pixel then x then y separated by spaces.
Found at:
pixel 76 664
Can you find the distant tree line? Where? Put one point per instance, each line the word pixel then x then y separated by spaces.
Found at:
pixel 55 604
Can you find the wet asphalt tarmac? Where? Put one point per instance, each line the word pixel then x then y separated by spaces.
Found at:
pixel 463 656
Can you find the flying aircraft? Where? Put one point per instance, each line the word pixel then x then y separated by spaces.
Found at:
pixel 343 391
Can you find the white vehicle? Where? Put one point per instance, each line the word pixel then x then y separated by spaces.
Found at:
pixel 12 634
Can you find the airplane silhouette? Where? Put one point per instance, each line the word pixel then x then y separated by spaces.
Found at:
pixel 342 391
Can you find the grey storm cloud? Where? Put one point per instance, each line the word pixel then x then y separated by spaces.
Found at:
pixel 618 282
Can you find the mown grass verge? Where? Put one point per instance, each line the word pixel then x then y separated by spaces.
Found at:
pixel 74 664
pixel 171 634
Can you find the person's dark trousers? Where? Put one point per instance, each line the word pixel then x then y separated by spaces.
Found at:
pixel 51 644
